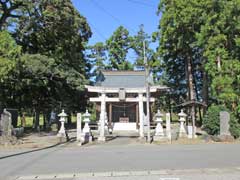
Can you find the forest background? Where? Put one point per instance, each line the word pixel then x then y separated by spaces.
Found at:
pixel 45 58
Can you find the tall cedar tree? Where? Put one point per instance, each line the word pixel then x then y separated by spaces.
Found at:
pixel 118 45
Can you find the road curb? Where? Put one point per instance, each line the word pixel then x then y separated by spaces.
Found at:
pixel 130 173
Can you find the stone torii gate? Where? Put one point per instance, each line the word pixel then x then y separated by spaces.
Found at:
pixel 122 95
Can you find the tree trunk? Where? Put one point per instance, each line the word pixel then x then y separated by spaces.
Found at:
pixel 187 78
pixel 191 91
pixel 219 69
pixel 36 120
pixel 197 90
pixel 69 119
pixel 205 91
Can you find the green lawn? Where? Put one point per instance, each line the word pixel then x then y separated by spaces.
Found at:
pixel 29 120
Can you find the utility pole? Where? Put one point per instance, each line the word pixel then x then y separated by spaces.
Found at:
pixel 147 92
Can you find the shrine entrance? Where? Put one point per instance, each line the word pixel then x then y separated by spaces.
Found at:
pixel 120 98
pixel 123 115
pixel 124 112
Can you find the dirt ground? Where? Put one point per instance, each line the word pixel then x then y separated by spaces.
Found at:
pixel 33 140
pixel 43 139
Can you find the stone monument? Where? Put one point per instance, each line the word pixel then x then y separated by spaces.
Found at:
pixel 190 132
pixel 224 123
pixel 225 134
pixel 6 129
pixel 6 123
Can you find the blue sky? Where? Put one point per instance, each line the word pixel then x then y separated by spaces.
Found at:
pixel 104 16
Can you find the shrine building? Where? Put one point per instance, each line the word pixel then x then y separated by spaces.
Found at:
pixel 120 98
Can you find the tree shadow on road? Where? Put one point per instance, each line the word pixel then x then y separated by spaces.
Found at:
pixel 36 150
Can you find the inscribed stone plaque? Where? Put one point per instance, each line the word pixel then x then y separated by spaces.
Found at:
pixel 224 123
pixel 122 94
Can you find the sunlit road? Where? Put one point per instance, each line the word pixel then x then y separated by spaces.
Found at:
pixel 140 158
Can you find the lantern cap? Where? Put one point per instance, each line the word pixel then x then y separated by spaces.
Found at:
pixel 159 114
pixel 86 114
pixel 62 114
pixel 182 114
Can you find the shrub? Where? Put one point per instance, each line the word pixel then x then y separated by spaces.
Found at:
pixel 234 127
pixel 211 121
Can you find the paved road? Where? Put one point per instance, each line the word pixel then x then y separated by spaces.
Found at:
pixel 122 158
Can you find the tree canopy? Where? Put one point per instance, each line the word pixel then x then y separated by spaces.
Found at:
pixel 48 39
pixel 118 45
pixel 199 47
pixel 9 54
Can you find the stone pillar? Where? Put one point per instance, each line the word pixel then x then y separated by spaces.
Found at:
pixel 102 118
pixel 79 126
pixel 168 127
pixel 141 115
pixel 190 132
pixel 106 123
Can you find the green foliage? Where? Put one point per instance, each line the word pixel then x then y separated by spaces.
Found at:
pixel 39 78
pixel 58 33
pixel 219 39
pixel 137 46
pixel 98 56
pixel 234 127
pixel 211 121
pixel 53 69
pixel 207 32
pixel 10 11
pixel 180 20
pixel 118 45
pixel 9 53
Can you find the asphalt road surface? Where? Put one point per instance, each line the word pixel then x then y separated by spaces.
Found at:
pixel 130 161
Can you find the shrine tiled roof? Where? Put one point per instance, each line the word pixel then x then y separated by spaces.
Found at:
pixel 121 79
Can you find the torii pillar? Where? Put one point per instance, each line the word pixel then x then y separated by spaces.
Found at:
pixel 102 137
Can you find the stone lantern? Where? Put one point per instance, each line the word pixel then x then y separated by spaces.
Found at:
pixel 182 119
pixel 62 119
pixel 159 134
pixel 159 120
pixel 86 120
